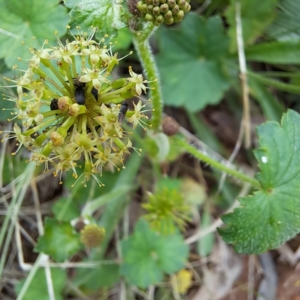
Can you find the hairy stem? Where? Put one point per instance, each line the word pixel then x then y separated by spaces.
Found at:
pixel 204 157
pixel 143 49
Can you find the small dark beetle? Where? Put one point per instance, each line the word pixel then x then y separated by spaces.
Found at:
pixel 54 104
pixel 122 113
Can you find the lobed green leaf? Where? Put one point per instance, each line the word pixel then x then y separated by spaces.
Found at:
pixel 271 216
pixel 59 240
pixel 147 255
pixel 31 22
pixel 105 15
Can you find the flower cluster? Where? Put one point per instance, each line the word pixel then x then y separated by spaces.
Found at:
pixel 92 235
pixel 163 11
pixel 72 111
pixel 166 209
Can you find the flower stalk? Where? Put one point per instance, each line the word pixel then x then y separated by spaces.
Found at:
pixel 217 165
pixel 141 43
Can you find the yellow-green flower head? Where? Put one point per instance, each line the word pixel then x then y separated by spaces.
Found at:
pixel 166 209
pixel 92 235
pixel 71 109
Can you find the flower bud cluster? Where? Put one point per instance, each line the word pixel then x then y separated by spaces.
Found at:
pixel 166 210
pixel 163 11
pixel 71 109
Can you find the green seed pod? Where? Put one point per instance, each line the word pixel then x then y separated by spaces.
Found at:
pixel 175 10
pixel 149 2
pixel 169 21
pixel 163 1
pixel 144 8
pixel 149 17
pixel 181 3
pixel 159 20
pixel 164 8
pixel 186 8
pixel 168 15
pixel 156 2
pixel 171 3
pixel 149 9
pixel 156 11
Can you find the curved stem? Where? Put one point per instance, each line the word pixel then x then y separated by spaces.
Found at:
pixel 143 49
pixel 216 164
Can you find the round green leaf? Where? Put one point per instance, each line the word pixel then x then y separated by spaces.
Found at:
pixel 190 62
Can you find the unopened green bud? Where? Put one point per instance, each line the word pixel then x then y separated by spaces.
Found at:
pixel 175 10
pixel 139 5
pixel 168 16
pixel 181 3
pixel 156 2
pixel 156 11
pixel 144 8
pixel 177 19
pixel 186 8
pixel 171 3
pixel 164 8
pixel 119 83
pixel 169 21
pixel 159 20
pixel 149 17
pixel 149 9
pixel 149 2
pixel 180 15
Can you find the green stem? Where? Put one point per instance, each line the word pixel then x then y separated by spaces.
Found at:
pixel 111 95
pixel 143 49
pixel 215 164
pixel 59 77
